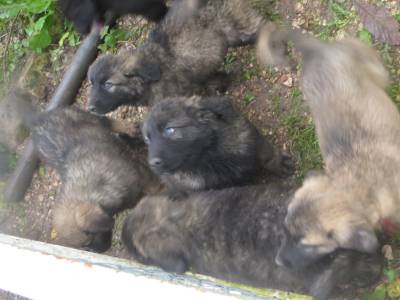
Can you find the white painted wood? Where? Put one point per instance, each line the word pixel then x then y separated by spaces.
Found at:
pixel 49 272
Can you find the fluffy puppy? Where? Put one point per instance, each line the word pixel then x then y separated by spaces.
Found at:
pixel 223 234
pixel 82 13
pixel 99 172
pixel 201 143
pixel 358 128
pixel 181 57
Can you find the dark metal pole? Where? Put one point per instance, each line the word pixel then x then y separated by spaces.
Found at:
pixel 65 94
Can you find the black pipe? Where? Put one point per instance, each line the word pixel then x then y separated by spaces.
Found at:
pixel 65 94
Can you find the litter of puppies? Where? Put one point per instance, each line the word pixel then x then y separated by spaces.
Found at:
pixel 196 201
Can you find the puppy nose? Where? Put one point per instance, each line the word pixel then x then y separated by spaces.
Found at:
pixel 155 162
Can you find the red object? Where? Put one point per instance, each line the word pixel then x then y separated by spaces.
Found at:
pixel 390 227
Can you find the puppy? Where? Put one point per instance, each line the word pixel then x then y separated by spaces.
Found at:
pixel 202 143
pixel 100 174
pixel 82 13
pixel 358 129
pixel 224 234
pixel 181 57
pixel 16 113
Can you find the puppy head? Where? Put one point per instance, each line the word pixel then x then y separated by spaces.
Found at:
pixel 119 79
pixel 80 13
pixel 179 130
pixel 318 223
pixel 83 225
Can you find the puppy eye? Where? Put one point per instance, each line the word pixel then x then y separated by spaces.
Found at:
pixel 108 85
pixel 169 131
pixel 329 235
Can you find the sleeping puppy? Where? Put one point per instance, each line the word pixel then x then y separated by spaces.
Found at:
pixel 182 56
pixel 358 128
pixel 82 13
pixel 100 174
pixel 234 234
pixel 199 143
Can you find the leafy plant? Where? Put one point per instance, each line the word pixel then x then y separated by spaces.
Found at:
pixel 111 37
pixel 38 16
pixel 249 97
pixel 365 36
pixel 41 26
pixel 230 58
pixel 341 18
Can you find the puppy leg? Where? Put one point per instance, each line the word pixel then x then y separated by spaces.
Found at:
pixel 274 161
pixel 122 127
pixel 219 82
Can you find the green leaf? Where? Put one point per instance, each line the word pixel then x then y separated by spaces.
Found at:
pixel 9 8
pixel 391 275
pixel 378 294
pixel 249 97
pixel 365 36
pixel 40 41
pixel 41 171
pixel 63 38
pixel 73 39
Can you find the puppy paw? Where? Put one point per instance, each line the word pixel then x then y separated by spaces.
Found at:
pixel 282 165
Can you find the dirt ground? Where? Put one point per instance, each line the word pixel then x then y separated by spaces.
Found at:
pixel 270 99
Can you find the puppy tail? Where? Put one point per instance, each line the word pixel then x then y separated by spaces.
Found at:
pixel 272 45
pixel 272 49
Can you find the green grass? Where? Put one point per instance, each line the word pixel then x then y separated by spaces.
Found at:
pixel 394 93
pixel 270 293
pixel 341 17
pixel 249 97
pixel 302 136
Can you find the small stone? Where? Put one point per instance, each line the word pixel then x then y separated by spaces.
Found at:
pixel 387 252
pixel 288 82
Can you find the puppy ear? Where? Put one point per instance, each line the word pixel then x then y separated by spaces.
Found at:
pixel 219 106
pixel 150 72
pixel 362 239
pixel 92 218
pixel 135 65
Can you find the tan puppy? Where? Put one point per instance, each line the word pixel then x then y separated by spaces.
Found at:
pixel 358 129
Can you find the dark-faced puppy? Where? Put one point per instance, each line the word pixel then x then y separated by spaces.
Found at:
pixel 201 143
pixel 358 128
pixel 99 172
pixel 82 13
pixel 182 56
pixel 224 234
